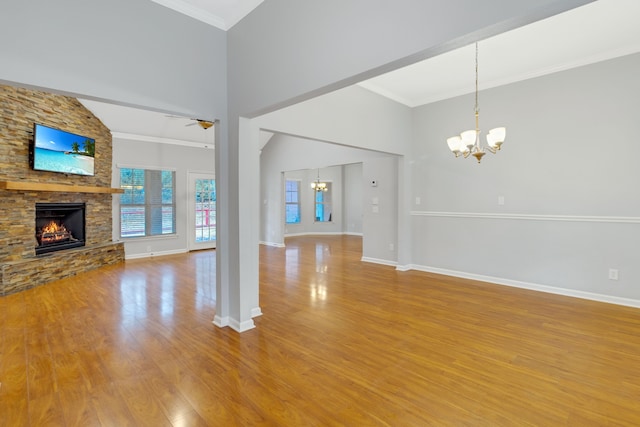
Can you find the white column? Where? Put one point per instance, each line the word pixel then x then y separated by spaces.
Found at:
pixel 237 256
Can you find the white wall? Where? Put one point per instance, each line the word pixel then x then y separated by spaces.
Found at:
pixel 567 172
pixel 152 155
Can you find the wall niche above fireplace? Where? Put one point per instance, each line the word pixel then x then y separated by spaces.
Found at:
pixel 59 226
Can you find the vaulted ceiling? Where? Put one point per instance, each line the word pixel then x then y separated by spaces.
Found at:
pixel 598 31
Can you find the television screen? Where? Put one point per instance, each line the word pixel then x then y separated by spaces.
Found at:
pixel 59 151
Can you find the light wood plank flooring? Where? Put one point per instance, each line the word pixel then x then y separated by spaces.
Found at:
pixel 341 342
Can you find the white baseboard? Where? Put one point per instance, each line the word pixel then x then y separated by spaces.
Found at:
pixel 241 326
pixel 320 233
pixel 531 286
pixel 378 261
pixel 153 254
pixel 255 312
pixel 273 244
pixel 221 322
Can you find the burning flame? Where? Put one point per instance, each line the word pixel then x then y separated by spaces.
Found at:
pixel 53 227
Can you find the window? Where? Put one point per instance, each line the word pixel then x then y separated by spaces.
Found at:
pixel 292 202
pixel 323 204
pixel 148 205
pixel 205 221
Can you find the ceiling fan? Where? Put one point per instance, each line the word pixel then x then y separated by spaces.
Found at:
pixel 204 124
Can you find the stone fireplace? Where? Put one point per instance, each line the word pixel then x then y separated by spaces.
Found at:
pixel 27 194
pixel 59 226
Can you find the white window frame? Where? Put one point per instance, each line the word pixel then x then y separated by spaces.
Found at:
pixel 288 203
pixel 150 204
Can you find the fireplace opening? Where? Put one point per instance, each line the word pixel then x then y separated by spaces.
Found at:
pixel 59 226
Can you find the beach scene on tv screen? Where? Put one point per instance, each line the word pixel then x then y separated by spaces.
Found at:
pixel 60 151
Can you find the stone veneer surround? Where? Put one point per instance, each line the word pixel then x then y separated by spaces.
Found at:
pixel 20 268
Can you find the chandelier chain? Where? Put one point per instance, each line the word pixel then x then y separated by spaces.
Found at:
pixel 477 109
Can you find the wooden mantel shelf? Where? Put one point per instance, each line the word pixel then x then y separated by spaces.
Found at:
pixel 61 188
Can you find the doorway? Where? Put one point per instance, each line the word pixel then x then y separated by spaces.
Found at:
pixel 202 211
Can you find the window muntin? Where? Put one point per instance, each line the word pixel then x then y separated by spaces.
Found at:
pixel 292 202
pixel 148 205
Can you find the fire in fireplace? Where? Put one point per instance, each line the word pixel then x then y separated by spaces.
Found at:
pixel 59 226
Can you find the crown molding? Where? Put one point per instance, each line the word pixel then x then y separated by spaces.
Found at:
pixel 158 140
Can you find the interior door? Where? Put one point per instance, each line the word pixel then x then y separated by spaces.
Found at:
pixel 202 211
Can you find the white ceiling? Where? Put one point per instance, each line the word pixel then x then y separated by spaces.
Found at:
pixel 223 14
pixel 144 125
pixel 600 30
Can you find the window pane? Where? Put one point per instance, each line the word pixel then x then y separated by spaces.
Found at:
pixel 292 214
pixel 167 187
pixel 322 203
pixel 132 221
pixel 205 220
pixel 168 220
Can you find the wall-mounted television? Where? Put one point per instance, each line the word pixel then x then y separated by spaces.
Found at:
pixel 55 150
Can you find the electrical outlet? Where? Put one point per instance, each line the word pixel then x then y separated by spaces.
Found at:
pixel 613 274
pixel 391 246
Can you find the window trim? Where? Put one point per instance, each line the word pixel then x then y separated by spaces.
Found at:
pixel 298 203
pixel 147 204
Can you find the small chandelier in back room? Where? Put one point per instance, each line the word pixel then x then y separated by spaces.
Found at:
pixel 469 141
pixel 319 186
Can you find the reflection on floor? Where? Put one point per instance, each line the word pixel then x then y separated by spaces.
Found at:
pixel 341 342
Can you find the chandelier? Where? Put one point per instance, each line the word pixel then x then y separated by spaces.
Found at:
pixel 319 186
pixel 468 142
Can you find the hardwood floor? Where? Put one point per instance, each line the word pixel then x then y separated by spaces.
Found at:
pixel 341 342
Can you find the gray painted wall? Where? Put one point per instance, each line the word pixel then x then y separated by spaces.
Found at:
pixel 380 209
pixel 353 198
pixel 300 158
pixel 567 173
pixel 132 52
pixel 287 51
pixel 151 155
